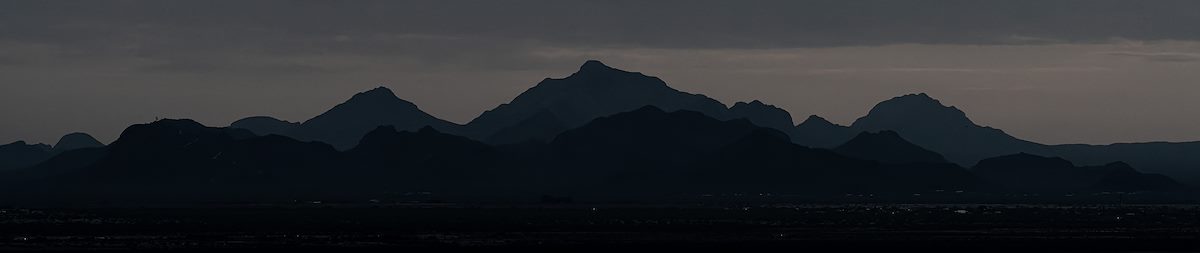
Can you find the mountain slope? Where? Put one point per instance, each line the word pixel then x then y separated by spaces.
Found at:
pixel 762 162
pixel 75 141
pixel 19 155
pixel 345 124
pixel 1031 173
pixel 652 133
pixel 168 149
pixel 641 150
pixel 763 115
pixel 182 160
pixel 924 121
pixel 820 133
pixel 263 125
pixel 426 160
pixel 769 163
pixel 542 127
pixel 887 147
pixel 1180 160
pixel 650 151
pixel 596 90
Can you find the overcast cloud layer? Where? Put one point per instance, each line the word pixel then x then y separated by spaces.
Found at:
pixel 1089 71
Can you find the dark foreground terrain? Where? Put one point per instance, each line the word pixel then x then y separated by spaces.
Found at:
pixel 679 228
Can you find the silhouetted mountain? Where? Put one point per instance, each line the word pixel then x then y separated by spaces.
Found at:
pixel 542 127
pixel 276 159
pixel 263 125
pixel 19 155
pixel 75 141
pixel 71 153
pixel 598 132
pixel 649 131
pixel 424 145
pixel 649 151
pixel 887 147
pixel 763 115
pixel 763 162
pixel 644 148
pixel 165 150
pixel 770 163
pixel 943 129
pixel 426 160
pixel 946 130
pixel 274 166
pixel 181 160
pixel 1032 173
pixel 820 133
pixel 65 163
pixel 1122 177
pixel 1179 160
pixel 346 123
pixel 594 91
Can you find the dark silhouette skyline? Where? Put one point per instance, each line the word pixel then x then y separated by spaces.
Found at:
pixel 597 90
pixel 1052 72
pixel 583 125
pixel 583 137
pixel 20 154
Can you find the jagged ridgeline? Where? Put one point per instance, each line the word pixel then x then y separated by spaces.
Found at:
pixel 599 133
pixel 21 155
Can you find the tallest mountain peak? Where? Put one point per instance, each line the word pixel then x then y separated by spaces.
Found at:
pixel 927 122
pixel 918 97
pixel 912 109
pixel 597 68
pixel 378 92
pixel 593 65
pixel 816 120
pixel 596 90
pixel 379 96
pixel 346 123
pixel 74 141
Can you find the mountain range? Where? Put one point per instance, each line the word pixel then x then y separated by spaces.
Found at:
pixel 887 147
pixel 948 131
pixel 598 132
pixel 20 155
pixel 596 90
pixel 1031 173
pixel 645 153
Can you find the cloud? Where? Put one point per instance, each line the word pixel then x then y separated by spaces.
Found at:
pixel 9 61
pixel 1160 56
pixel 227 67
pixel 659 24
pixel 229 36
pixel 948 70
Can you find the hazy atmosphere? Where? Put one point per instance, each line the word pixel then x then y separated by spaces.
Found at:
pixel 600 125
pixel 1064 72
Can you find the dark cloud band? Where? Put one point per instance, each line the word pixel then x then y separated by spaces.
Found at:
pixel 659 24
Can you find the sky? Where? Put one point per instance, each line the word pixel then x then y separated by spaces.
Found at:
pixel 1087 71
